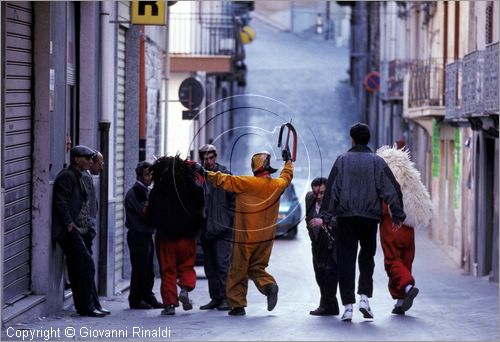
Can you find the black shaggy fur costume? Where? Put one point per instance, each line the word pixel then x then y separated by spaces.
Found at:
pixel 176 201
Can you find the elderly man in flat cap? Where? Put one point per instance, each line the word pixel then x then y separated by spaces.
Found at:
pixel 358 183
pixel 71 223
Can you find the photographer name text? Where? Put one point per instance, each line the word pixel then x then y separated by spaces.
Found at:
pixel 86 332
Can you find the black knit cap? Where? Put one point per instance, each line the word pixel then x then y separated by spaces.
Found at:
pixel 360 132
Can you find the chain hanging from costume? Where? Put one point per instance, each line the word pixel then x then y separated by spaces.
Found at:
pixel 326 230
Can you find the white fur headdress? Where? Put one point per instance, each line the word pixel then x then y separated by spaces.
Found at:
pixel 416 199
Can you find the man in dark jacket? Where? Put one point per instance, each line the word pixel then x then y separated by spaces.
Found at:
pixel 140 241
pixel 216 238
pixel 323 251
pixel 71 223
pixel 358 184
pixel 96 167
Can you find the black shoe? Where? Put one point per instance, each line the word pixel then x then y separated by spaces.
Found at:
pixel 168 311
pixel 398 310
pixel 239 311
pixel 213 304
pixel 224 305
pixel 184 299
pixel 409 297
pixel 155 304
pixel 104 311
pixel 140 305
pixel 322 312
pixel 94 313
pixel 272 296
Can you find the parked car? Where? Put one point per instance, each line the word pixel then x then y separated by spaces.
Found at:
pixel 289 215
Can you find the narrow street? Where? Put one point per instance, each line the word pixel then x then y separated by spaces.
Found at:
pixel 307 81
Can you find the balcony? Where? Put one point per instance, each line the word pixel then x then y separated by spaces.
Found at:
pixel 473 84
pixel 491 103
pixel 453 97
pixel 395 81
pixel 425 98
pixel 426 84
pixel 202 42
pixel 480 89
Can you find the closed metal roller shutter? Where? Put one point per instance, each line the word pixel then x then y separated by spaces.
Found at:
pixel 120 240
pixel 17 135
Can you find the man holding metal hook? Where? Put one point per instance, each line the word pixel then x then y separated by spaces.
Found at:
pixel 256 213
pixel 257 206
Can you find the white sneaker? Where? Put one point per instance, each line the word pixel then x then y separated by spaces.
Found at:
pixel 347 316
pixel 364 307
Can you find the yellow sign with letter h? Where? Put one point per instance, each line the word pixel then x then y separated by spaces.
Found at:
pixel 148 12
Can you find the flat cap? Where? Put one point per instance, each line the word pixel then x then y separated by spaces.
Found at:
pixel 81 151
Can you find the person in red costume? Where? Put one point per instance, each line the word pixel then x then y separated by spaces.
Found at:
pixel 399 244
pixel 175 210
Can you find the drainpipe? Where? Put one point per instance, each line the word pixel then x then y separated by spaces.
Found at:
pixel 142 95
pixel 167 80
pixel 106 54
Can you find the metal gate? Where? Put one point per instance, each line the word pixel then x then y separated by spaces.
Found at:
pixel 17 147
pixel 120 240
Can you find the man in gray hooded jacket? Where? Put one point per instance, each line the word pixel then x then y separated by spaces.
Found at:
pixel 358 184
pixel 216 238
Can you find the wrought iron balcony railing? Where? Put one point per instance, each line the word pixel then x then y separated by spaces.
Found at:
pixel 395 82
pixel 453 97
pixel 473 83
pixel 491 100
pixel 426 83
pixel 202 34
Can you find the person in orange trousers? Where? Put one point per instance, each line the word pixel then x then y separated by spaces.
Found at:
pixel 399 244
pixel 256 213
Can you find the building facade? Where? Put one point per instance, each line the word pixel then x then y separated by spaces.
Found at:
pixel 83 73
pixel 438 96
pixel 71 72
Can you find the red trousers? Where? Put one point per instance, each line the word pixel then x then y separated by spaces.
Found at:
pixel 176 260
pixel 399 252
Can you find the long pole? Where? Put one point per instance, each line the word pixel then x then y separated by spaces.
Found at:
pixel 142 96
pixel 167 79
pixel 104 127
pixel 327 21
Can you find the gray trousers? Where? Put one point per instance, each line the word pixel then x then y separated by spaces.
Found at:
pixel 216 260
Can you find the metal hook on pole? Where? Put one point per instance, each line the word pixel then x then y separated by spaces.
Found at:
pixel 286 147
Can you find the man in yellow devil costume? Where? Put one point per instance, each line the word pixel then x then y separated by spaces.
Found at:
pixel 257 205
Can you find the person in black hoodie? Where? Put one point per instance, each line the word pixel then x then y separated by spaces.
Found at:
pixel 140 241
pixel 358 184
pixel 175 210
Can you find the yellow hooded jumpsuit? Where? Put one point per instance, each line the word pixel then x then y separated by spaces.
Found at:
pixel 257 206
